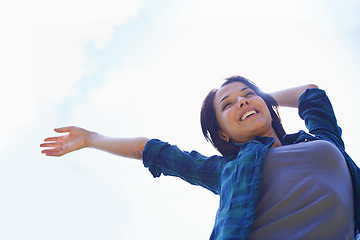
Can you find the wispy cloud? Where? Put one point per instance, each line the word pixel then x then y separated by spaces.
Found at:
pixel 43 50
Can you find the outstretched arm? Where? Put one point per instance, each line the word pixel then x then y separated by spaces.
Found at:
pixel 290 97
pixel 76 138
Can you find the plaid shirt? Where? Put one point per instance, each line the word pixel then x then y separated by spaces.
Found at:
pixel 236 178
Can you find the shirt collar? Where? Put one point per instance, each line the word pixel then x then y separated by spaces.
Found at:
pixel 301 136
pixel 257 140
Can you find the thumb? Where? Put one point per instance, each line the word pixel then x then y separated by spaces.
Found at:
pixel 63 129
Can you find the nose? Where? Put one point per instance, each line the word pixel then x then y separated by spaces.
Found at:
pixel 241 102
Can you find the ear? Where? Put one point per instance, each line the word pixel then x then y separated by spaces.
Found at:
pixel 223 136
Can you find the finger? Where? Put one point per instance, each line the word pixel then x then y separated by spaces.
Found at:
pixel 51 145
pixel 53 152
pixel 54 139
pixel 63 129
pixel 56 149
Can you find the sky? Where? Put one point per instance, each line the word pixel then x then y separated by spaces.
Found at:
pixel 142 68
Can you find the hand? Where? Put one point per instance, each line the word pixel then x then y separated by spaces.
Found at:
pixel 76 138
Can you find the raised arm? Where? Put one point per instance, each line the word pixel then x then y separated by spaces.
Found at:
pixel 76 138
pixel 290 97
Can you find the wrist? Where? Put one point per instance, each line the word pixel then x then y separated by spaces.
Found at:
pixel 90 139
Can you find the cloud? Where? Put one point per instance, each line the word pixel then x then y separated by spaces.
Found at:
pixel 170 67
pixel 43 51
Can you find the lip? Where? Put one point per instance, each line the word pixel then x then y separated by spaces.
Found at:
pixel 251 111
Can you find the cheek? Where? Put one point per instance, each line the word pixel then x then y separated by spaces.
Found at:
pixel 268 115
pixel 228 118
pixel 225 122
pixel 264 108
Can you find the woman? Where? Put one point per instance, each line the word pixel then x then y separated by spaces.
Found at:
pixel 271 185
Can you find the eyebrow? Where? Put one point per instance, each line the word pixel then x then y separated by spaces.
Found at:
pixel 227 96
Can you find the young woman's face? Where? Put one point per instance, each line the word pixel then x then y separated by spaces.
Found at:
pixel 241 113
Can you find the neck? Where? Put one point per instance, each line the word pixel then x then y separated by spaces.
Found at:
pixel 277 142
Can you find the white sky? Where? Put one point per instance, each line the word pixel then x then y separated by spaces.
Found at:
pixel 142 68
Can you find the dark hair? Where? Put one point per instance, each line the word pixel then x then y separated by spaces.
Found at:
pixel 210 126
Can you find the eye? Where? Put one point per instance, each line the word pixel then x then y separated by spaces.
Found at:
pixel 226 105
pixel 249 94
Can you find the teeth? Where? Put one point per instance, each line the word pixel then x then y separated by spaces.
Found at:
pixel 247 114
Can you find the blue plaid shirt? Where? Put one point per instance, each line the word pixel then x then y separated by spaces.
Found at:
pixel 236 178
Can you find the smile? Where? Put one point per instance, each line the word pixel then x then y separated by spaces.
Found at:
pixel 247 114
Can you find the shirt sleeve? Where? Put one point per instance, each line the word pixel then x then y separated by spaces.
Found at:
pixel 163 158
pixel 316 110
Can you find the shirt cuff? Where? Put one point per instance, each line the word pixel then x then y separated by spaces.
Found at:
pixel 309 95
pixel 150 156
